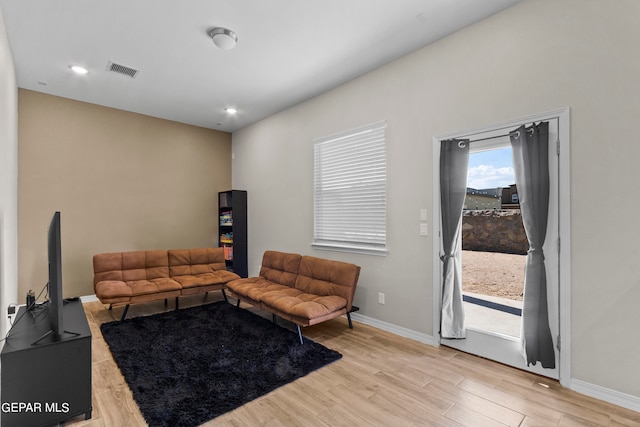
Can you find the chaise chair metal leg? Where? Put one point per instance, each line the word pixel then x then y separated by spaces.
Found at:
pixel 353 309
pixel 124 313
pixel 224 295
pixel 300 334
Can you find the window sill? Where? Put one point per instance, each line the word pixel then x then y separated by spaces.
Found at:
pixel 350 248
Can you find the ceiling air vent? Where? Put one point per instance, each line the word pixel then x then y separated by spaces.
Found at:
pixel 122 69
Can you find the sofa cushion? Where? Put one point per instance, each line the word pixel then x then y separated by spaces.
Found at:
pixel 107 267
pixel 126 274
pixel 323 277
pixel 280 267
pixel 214 278
pixel 112 289
pixel 115 291
pixel 254 287
pixel 189 262
pixel 303 305
pixel 143 265
pixel 153 286
pixel 200 267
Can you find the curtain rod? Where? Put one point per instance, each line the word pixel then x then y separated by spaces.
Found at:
pixel 502 135
pixel 487 138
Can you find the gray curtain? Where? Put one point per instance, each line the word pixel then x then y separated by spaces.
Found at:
pixel 454 162
pixel 531 165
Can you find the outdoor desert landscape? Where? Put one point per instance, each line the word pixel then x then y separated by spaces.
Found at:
pixel 492 273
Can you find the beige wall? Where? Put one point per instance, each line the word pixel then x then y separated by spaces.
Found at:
pixel 122 181
pixel 536 56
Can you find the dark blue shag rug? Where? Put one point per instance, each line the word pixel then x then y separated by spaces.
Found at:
pixel 189 366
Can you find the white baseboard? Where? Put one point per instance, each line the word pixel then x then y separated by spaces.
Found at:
pixel 611 396
pixel 398 330
pixel 89 298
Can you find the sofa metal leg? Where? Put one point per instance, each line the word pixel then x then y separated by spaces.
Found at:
pixel 165 303
pixel 238 303
pixel 110 307
pixel 300 334
pixel 177 304
pixel 124 313
pixel 224 295
pixel 353 309
pixel 273 318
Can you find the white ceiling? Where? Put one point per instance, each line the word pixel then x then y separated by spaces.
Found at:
pixel 288 50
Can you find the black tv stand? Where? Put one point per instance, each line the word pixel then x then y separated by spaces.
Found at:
pixel 46 381
pixel 55 339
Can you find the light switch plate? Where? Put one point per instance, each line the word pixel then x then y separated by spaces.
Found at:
pixel 423 214
pixel 424 230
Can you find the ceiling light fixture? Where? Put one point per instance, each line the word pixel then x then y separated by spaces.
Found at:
pixel 230 110
pixel 78 69
pixel 224 38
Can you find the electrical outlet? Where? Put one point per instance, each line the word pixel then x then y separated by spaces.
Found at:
pixel 11 310
pixel 380 298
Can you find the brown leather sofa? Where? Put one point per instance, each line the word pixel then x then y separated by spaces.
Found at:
pixel 124 278
pixel 302 289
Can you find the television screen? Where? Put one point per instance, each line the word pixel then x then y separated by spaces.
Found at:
pixel 55 277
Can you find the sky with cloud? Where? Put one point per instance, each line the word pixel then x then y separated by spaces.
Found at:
pixel 490 169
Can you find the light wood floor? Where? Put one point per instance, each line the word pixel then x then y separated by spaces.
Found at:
pixel 382 380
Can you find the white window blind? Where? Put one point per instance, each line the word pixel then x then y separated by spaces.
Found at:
pixel 350 190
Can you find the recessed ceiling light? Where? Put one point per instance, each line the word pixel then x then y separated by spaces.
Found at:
pixel 230 110
pixel 79 70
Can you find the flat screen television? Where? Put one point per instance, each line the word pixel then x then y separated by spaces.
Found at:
pixel 54 305
pixel 55 278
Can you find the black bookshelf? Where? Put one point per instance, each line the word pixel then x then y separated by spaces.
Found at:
pixel 232 227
